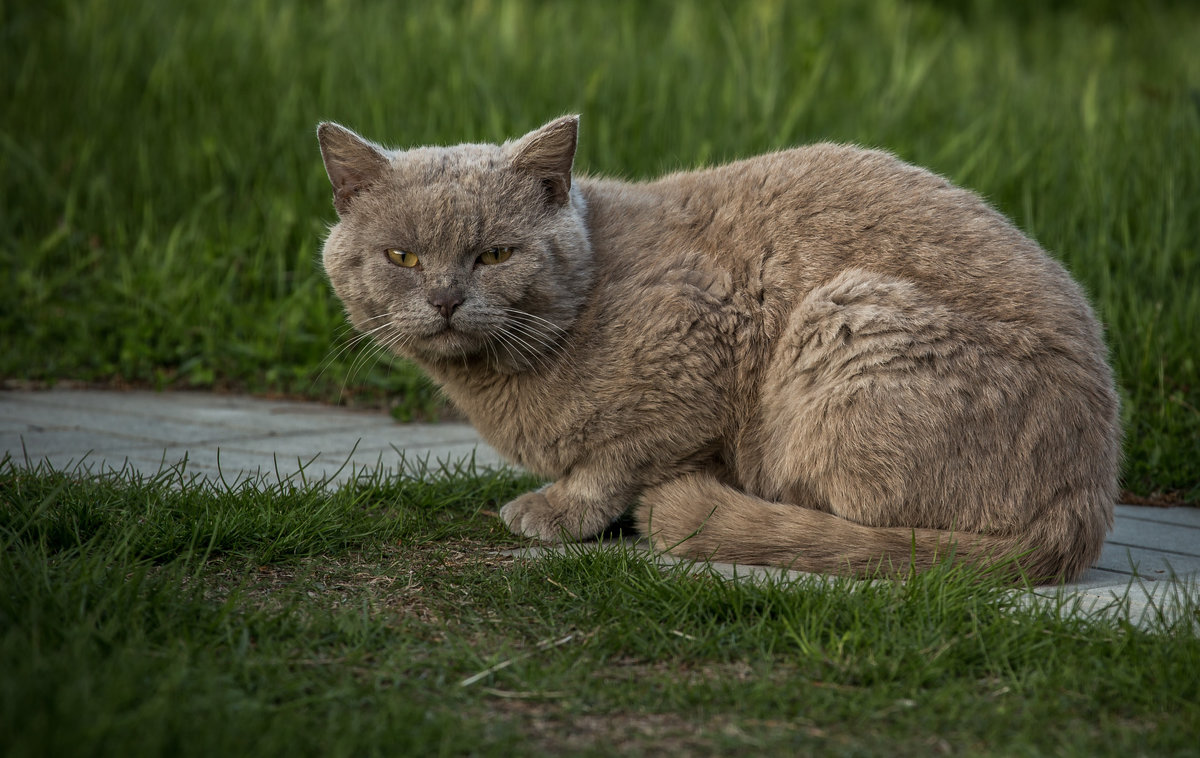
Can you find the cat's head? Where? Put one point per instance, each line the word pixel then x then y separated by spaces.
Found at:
pixel 447 253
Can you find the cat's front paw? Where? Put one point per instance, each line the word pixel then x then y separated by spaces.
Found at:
pixel 540 515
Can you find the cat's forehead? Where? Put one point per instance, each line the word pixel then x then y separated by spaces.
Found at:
pixel 463 178
pixel 450 197
pixel 447 163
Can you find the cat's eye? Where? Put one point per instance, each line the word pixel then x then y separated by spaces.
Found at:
pixel 494 255
pixel 402 258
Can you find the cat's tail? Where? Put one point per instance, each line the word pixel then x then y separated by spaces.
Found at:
pixel 699 517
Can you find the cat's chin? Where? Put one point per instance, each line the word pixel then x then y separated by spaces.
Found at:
pixel 452 347
pixel 448 344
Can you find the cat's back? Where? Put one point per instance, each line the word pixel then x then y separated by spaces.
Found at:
pixel 831 204
pixel 841 204
pixel 817 175
pixel 788 221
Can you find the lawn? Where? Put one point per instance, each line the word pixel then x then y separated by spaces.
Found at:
pixel 162 206
pixel 162 615
pixel 162 201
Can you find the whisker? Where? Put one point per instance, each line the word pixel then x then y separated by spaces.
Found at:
pixel 378 349
pixel 350 344
pixel 541 342
pixel 492 352
pixel 548 345
pixel 538 329
pixel 529 350
pixel 512 315
pixel 375 318
pixel 533 317
pixel 505 343
pixel 516 351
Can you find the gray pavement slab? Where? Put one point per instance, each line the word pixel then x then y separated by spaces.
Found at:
pixel 232 436
pixel 1151 559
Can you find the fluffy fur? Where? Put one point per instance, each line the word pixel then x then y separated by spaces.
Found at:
pixel 821 358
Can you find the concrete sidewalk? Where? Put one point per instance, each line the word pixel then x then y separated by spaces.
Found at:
pixel 1151 555
pixel 221 435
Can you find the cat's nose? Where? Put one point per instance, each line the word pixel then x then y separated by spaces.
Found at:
pixel 445 301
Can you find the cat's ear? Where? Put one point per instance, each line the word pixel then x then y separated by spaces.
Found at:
pixel 548 153
pixel 351 162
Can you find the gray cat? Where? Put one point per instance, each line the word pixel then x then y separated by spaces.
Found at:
pixel 821 358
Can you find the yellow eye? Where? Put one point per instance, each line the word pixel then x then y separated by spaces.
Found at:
pixel 402 258
pixel 494 255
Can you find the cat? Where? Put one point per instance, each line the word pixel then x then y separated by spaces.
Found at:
pixel 822 358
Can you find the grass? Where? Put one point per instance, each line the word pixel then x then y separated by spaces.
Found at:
pixel 162 206
pixel 151 615
pixel 162 203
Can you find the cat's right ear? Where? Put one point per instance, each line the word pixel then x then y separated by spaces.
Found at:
pixel 352 163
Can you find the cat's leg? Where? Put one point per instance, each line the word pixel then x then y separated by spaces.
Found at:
pixel 657 409
pixel 577 506
pixel 894 411
pixel 879 403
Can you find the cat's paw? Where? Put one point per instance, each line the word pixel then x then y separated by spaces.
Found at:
pixel 539 515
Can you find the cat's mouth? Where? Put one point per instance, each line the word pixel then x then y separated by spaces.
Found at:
pixel 439 334
pixel 437 338
pixel 448 340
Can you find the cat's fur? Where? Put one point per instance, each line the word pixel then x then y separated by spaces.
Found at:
pixel 821 358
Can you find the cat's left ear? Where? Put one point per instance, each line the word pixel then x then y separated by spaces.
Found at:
pixel 548 154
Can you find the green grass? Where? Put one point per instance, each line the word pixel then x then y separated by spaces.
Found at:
pixel 147 616
pixel 162 202
pixel 162 205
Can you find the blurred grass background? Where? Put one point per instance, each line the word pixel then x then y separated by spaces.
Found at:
pixel 162 201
